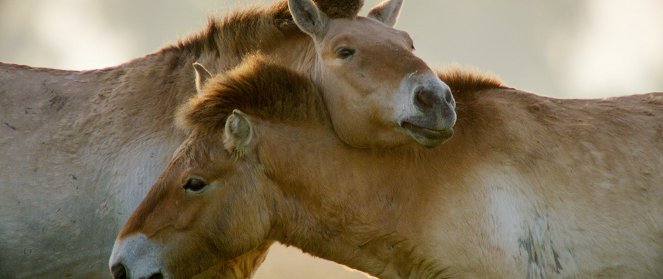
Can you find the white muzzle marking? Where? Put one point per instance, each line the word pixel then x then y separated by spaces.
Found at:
pixel 140 256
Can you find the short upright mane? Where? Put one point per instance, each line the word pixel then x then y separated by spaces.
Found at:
pixel 462 80
pixel 258 88
pixel 270 91
pixel 243 30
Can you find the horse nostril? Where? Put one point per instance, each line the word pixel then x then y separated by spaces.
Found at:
pixel 156 276
pixel 119 271
pixel 425 98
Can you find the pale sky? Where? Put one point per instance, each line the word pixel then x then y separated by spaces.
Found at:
pixel 564 48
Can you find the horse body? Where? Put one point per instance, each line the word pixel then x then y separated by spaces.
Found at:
pixel 551 188
pixel 66 136
pixel 81 150
pixel 528 187
pixel 89 143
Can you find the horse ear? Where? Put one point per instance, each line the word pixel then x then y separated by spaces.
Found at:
pixel 309 18
pixel 387 12
pixel 238 133
pixel 202 75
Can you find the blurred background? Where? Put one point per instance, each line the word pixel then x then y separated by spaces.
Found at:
pixel 562 48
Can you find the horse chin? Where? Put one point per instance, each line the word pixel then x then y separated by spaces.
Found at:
pixel 428 137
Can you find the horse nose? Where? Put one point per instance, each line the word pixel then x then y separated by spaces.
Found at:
pixel 119 271
pixel 137 257
pixel 427 98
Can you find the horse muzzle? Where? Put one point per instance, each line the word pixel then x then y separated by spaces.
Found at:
pixel 136 257
pixel 436 117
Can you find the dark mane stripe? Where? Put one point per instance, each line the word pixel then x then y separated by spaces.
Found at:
pixel 243 31
pixel 258 88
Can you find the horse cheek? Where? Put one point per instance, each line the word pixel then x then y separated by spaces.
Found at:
pixel 189 216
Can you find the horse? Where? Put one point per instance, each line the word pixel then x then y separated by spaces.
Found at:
pixel 80 148
pixel 527 187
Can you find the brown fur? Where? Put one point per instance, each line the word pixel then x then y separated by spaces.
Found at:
pixel 462 80
pixel 270 91
pixel 528 187
pixel 106 133
pixel 244 30
pixel 374 89
pixel 271 31
pixel 256 87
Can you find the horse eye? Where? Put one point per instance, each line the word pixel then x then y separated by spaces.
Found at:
pixel 344 52
pixel 194 184
pixel 413 48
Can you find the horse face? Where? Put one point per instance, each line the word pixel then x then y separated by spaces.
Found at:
pixel 377 91
pixel 204 212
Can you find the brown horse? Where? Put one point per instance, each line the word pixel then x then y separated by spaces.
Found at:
pixel 377 91
pixel 528 187
pixel 80 149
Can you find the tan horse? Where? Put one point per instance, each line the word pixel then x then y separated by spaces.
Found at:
pixel 81 148
pixel 377 91
pixel 528 187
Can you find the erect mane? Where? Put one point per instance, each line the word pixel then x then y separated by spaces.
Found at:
pixel 258 88
pixel 243 31
pixel 464 80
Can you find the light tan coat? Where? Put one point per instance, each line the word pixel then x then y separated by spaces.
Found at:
pixel 78 150
pixel 528 187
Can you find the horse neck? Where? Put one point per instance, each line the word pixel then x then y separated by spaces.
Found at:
pixel 374 209
pixel 105 107
pixel 147 91
pixel 361 208
pixel 298 53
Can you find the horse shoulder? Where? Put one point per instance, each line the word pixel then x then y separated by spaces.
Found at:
pixel 523 161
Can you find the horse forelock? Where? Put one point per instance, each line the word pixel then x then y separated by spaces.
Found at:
pixel 340 8
pixel 259 88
